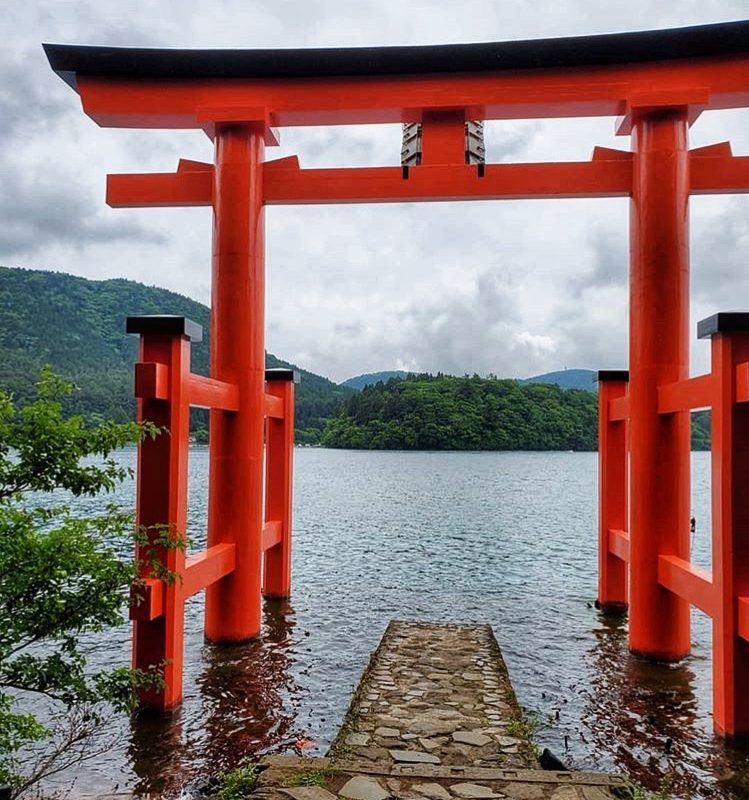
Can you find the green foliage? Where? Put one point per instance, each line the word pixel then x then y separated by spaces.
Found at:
pixel 701 430
pixel 78 327
pixel 59 577
pixel 449 413
pixel 311 777
pixel 236 783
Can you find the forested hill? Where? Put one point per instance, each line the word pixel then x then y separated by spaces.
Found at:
pixel 426 412
pixel 77 326
pixel 450 413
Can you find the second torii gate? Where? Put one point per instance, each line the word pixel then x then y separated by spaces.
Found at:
pixel 657 82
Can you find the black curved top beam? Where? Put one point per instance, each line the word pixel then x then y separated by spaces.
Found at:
pixel 719 39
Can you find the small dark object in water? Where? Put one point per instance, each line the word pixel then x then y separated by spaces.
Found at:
pixel 549 761
pixel 203 787
pixel 669 743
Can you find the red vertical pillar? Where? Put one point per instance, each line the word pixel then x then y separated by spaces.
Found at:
pixel 161 493
pixel 730 512
pixel 279 454
pixel 612 490
pixel 659 354
pixel 237 356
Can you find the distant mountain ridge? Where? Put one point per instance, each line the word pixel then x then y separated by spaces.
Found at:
pixel 568 379
pixel 77 326
pixel 563 378
pixel 358 382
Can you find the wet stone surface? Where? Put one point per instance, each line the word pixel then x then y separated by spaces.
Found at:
pixel 434 718
pixel 436 694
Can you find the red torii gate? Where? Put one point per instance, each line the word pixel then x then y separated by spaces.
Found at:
pixel 657 82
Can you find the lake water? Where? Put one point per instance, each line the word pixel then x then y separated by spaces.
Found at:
pixel 507 539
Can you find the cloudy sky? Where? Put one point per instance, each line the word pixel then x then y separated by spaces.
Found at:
pixel 511 288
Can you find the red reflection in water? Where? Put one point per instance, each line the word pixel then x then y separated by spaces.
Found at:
pixel 248 709
pixel 643 718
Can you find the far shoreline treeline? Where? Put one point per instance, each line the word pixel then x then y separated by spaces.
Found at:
pixel 77 327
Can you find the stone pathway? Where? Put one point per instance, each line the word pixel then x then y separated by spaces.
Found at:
pixel 434 718
pixel 436 694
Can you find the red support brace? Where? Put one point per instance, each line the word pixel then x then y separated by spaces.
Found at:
pixel 612 488
pixel 730 512
pixel 166 389
pixel 279 454
pixel 162 497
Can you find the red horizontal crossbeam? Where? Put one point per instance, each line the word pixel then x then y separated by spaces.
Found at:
pixel 211 565
pixel 160 189
pixel 686 395
pixel 724 175
pixel 619 409
pixel 518 94
pixel 284 184
pixel 152 383
pixel 742 620
pixel 609 174
pixel 444 182
pixel 686 580
pixel 151 380
pixel 742 383
pixel 273 406
pixel 619 544
pixel 201 570
pixel 272 534
pixel 209 393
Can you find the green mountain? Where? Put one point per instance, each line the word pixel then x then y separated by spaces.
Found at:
pixel 567 379
pixel 358 382
pixel 77 326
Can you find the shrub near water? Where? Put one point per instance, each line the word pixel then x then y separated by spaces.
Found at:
pixel 59 579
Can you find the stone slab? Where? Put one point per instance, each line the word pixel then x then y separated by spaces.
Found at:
pixel 413 757
pixel 362 787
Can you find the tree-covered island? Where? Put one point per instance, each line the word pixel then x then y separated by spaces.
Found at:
pixel 426 412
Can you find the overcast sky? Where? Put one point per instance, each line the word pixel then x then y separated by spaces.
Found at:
pixel 510 288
